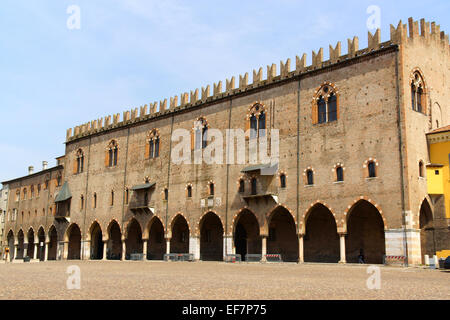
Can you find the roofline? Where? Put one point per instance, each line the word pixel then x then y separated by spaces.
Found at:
pixel 387 47
pixel 33 174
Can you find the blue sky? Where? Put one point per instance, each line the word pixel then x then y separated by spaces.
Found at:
pixel 130 53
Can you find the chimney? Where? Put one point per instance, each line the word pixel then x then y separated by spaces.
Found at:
pixel 30 170
pixel 44 165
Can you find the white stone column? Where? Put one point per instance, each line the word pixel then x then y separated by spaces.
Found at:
pixel 301 256
pixel 228 246
pixel 124 250
pixel 16 245
pixel 105 247
pixel 46 252
pixel 194 247
pixel 65 250
pixel 264 248
pixel 342 247
pixel 145 248
pixel 25 249
pixel 168 246
pixel 36 248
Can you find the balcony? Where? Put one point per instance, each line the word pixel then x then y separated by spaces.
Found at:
pixel 140 201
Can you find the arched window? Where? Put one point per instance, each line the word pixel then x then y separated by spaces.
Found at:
pixel 79 165
pixel 112 154
pixel 127 193
pixel 372 170
pixel 241 186
pixel 112 198
pixel 421 169
pixel 166 194
pixel 325 104
pixel 283 180
pixel 199 134
pixel 418 93
pixel 211 189
pixel 310 177
pixel 254 190
pixel 17 198
pixel 339 174
pixel 81 202
pixel 25 194
pixel 31 192
pixel 153 144
pixel 256 121
pixel 94 205
pixel 189 191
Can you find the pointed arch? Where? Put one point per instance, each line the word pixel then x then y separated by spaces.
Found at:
pixel 211 237
pixel 365 227
pixel 154 235
pixel 95 236
pixel 426 226
pixel 179 234
pixel 73 237
pixel 133 236
pixel 246 233
pixel 114 240
pixel 52 243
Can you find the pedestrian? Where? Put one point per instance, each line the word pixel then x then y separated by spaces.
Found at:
pixel 361 257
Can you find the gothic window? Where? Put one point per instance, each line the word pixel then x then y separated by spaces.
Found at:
pixel 372 170
pixel 112 198
pixel 166 194
pixel 112 154
pixel 339 174
pixel 199 134
pixel 211 189
pixel 95 201
pixel 256 121
pixel 31 192
pixel 189 191
pixel 79 164
pixel 81 202
pixel 253 186
pixel 25 194
pixel 153 143
pixel 325 105
pixel 310 177
pixel 283 180
pixel 241 186
pixel 418 93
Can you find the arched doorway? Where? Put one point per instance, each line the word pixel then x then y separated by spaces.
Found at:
pixel 246 234
pixel 211 238
pixel 179 243
pixel 114 250
pixel 321 240
pixel 30 247
pixel 134 239
pixel 96 242
pixel 53 244
pixel 10 240
pixel 283 237
pixel 20 240
pixel 41 244
pixel 427 244
pixel 74 236
pixel 156 246
pixel 365 234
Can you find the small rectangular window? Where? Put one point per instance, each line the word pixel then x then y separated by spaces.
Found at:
pixel 436 172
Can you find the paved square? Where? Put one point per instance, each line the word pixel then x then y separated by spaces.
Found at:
pixel 216 280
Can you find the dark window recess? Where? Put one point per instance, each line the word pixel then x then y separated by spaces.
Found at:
pixel 254 186
pixel 283 181
pixel 310 177
pixel 372 173
pixel 340 174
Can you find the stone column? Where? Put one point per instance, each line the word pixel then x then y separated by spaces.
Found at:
pixel 105 246
pixel 36 248
pixel 46 252
pixel 25 249
pixel 301 255
pixel 65 250
pixel 264 248
pixel 168 246
pixel 16 246
pixel 124 250
pixel 145 248
pixel 194 247
pixel 342 247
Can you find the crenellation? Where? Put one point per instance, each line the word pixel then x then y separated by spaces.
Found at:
pixel 243 81
pixel 271 72
pixel 353 47
pixel 68 133
pixel 374 40
pixel 285 68
pixel 184 97
pixel 134 114
pixel 335 53
pixel 300 63
pixel 126 117
pixel 230 84
pixel 173 102
pixel 424 28
pixel 217 88
pixel 317 58
pixel 162 105
pixel 413 28
pixel 143 111
pixel 205 92
pixel 257 76
pixel 398 35
pixel 194 96
pixel 107 121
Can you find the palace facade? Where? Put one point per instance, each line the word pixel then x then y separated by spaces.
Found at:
pixel 353 177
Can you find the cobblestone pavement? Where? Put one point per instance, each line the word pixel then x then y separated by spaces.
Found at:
pixel 216 280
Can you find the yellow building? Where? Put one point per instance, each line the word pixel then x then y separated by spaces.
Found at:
pixel 438 176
